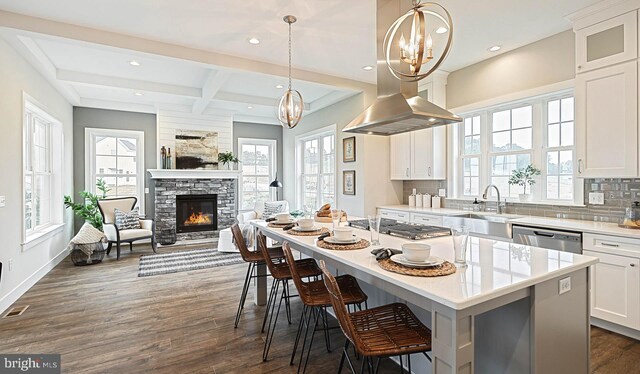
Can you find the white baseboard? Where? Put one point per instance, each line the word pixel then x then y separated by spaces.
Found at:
pixel 23 287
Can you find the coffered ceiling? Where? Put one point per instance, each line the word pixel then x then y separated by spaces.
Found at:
pixel 333 39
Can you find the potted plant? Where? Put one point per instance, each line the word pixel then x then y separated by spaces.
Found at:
pixel 227 158
pixel 89 210
pixel 523 177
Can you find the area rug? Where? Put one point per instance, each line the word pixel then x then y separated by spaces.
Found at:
pixel 175 262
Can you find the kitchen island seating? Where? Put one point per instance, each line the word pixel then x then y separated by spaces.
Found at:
pixel 316 299
pixel 254 258
pixel 384 331
pixel 281 275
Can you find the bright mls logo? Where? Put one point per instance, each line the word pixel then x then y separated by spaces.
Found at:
pixel 44 364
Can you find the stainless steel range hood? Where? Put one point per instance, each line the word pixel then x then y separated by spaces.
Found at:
pixel 398 108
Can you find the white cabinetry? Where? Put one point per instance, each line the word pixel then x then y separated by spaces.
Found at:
pixel 394 214
pixel 608 42
pixel 607 121
pixel 615 280
pixel 426 219
pixel 400 151
pixel 606 90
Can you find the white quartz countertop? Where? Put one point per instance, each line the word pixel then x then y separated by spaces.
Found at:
pixel 606 228
pixel 495 268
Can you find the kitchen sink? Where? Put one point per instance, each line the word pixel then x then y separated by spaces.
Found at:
pixel 486 225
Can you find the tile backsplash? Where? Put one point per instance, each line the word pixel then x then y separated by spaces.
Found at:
pixel 618 194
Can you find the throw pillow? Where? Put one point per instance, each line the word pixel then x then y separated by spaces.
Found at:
pixel 272 208
pixel 127 221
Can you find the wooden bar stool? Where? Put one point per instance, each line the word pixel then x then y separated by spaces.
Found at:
pixel 254 258
pixel 281 274
pixel 384 331
pixel 316 299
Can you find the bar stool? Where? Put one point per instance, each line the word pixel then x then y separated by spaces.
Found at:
pixel 281 275
pixel 316 299
pixel 254 258
pixel 384 331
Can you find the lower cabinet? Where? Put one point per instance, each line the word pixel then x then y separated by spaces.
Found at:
pixel 615 279
pixel 394 214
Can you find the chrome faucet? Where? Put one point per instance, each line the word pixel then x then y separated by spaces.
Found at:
pixel 501 204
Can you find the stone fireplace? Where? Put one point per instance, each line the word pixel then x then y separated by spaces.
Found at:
pixel 193 204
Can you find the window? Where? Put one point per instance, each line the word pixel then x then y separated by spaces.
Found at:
pixel 117 157
pixel 317 159
pixel 258 165
pixel 496 141
pixel 42 160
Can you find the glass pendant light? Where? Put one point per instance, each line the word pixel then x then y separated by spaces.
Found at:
pixel 291 104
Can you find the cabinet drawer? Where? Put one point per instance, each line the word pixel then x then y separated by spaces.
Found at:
pixel 611 245
pixel 394 214
pixel 425 219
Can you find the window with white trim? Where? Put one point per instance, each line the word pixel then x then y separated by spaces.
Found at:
pixel 258 165
pixel 42 165
pixel 317 159
pixel 117 157
pixel 495 141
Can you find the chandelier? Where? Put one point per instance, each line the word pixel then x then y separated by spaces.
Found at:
pixel 291 104
pixel 418 50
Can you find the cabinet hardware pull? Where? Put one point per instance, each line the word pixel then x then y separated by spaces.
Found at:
pixel 579 166
pixel 429 170
pixel 579 66
pixel 610 245
pixel 632 265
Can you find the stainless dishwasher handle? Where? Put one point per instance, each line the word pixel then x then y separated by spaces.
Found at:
pixel 543 233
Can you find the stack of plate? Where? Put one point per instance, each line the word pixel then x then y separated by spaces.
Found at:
pixel 430 262
pixel 310 229
pixel 333 240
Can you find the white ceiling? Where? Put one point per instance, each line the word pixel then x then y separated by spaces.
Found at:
pixel 332 37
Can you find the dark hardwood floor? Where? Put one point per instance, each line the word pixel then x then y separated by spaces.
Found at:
pixel 104 319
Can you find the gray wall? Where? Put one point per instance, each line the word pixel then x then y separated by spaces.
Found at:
pixel 118 120
pixel 260 131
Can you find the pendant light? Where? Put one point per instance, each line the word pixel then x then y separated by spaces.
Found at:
pixel 418 49
pixel 291 104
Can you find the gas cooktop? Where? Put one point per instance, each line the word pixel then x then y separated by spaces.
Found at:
pixel 404 230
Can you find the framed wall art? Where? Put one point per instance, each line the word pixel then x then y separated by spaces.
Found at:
pixel 349 149
pixel 349 182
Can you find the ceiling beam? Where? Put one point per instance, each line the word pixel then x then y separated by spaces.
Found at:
pixel 249 99
pixel 89 79
pixel 214 81
pixel 118 40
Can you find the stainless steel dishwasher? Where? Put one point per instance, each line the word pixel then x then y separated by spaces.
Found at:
pixel 560 240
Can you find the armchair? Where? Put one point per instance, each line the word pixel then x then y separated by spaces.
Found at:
pixel 258 210
pixel 114 234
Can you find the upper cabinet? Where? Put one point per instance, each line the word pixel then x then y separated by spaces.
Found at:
pixel 608 42
pixel 422 154
pixel 607 122
pixel 606 90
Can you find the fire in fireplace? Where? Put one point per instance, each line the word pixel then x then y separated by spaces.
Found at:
pixel 196 213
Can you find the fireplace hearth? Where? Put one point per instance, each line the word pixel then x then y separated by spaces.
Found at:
pixel 196 213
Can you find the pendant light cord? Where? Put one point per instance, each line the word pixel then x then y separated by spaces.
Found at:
pixel 289 56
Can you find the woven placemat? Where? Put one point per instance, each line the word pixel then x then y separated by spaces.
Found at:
pixel 319 231
pixel 278 225
pixel 363 243
pixel 445 269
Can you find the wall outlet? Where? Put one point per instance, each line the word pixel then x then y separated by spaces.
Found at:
pixel 442 192
pixel 564 285
pixel 146 190
pixel 596 198
pixel 3 201
pixel 10 264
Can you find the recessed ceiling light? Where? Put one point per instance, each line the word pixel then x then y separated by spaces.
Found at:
pixel 432 119
pixel 279 86
pixel 134 63
pixel 249 107
pixel 370 133
pixel 138 93
pixel 254 41
pixel 441 30
pixel 367 68
pixel 495 48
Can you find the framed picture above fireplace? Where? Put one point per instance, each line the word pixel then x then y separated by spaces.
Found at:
pixel 196 149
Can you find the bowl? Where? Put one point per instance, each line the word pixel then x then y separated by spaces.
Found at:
pixel 283 217
pixel 305 223
pixel 416 252
pixel 343 233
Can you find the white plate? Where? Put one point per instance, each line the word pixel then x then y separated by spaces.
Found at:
pixel 314 228
pixel 333 240
pixel 282 223
pixel 431 261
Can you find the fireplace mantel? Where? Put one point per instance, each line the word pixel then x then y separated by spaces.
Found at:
pixel 193 174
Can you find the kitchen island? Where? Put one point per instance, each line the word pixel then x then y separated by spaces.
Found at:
pixel 502 313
